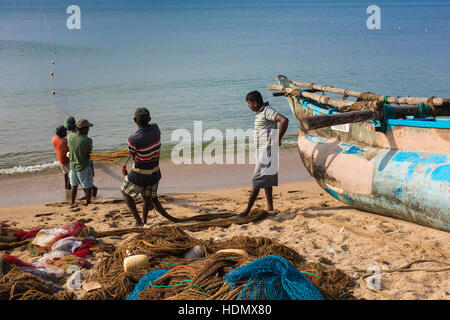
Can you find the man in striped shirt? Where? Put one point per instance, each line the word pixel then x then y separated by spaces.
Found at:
pixel 266 134
pixel 144 146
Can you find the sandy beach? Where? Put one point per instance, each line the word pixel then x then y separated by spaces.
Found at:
pixel 356 96
pixel 307 219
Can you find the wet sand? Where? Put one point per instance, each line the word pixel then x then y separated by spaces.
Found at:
pixel 49 187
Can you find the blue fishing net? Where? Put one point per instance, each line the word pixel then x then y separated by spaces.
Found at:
pixel 144 282
pixel 272 278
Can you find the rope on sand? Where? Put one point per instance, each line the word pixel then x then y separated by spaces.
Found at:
pixel 255 215
pixel 227 219
pixel 406 268
pixel 13 245
pixel 401 269
pixel 421 261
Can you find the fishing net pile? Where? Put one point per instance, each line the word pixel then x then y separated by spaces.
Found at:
pixel 167 263
pixel 237 268
pixel 17 284
pixel 55 255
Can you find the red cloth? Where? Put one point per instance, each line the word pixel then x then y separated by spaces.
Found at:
pixel 73 228
pixel 85 264
pixel 87 244
pixel 84 249
pixel 17 262
pixel 23 235
pixel 81 253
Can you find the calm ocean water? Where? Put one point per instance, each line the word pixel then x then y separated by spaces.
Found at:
pixel 196 60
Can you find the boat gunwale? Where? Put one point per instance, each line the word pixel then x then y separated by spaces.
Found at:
pixel 429 122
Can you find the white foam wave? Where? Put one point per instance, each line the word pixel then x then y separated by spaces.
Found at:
pixel 25 169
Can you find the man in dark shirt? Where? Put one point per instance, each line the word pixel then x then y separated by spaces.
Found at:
pixel 144 146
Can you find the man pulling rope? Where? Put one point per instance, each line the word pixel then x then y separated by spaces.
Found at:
pixel 144 147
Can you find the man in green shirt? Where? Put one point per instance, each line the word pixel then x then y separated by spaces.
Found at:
pixel 80 147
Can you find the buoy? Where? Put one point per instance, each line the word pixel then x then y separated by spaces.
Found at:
pixel 53 62
pixel 235 251
pixel 133 263
pixel 52 74
pixel 53 92
pixel 54 52
pixel 196 251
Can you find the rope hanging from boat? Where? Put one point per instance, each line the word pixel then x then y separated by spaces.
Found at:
pixel 430 104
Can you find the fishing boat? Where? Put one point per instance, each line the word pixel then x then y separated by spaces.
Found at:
pixel 382 154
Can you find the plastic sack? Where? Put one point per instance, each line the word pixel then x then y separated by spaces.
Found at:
pixel 46 237
pixel 42 262
pixel 47 274
pixel 72 229
pixel 67 245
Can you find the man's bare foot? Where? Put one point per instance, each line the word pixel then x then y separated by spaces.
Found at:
pixel 94 191
pixel 243 214
pixel 138 223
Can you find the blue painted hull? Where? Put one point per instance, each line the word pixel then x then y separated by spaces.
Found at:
pixel 408 185
pixel 402 172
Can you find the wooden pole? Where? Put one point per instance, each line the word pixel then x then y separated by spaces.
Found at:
pixel 435 101
pixel 328 120
pixel 321 121
pixel 313 96
pixel 345 105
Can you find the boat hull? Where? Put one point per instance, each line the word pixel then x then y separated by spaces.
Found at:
pixel 408 185
pixel 397 167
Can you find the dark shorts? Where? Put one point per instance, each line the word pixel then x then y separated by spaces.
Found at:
pixel 132 190
pixel 261 180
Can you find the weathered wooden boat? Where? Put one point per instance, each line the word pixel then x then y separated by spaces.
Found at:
pixel 387 155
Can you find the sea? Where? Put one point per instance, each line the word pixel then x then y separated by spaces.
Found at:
pixel 195 60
